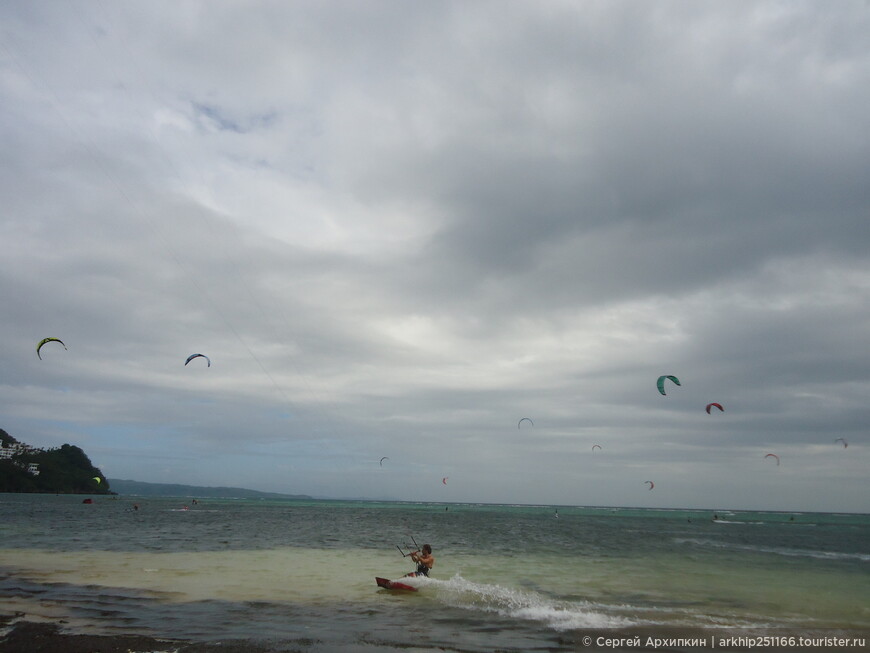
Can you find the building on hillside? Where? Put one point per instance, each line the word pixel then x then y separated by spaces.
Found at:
pixel 16 449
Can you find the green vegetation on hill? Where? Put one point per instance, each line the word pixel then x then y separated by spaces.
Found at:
pixel 64 470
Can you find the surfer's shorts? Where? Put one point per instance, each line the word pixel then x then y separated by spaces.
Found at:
pixel 422 570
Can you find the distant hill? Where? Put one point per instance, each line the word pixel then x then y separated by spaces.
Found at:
pixel 140 488
pixel 62 470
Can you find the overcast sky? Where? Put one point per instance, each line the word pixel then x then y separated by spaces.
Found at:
pixel 398 228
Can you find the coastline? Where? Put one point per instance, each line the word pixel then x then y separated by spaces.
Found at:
pixel 18 635
pixel 250 576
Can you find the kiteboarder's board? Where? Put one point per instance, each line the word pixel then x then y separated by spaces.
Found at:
pixel 393 584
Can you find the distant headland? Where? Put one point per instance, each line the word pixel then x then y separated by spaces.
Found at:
pixel 140 488
pixel 62 470
pixel 68 470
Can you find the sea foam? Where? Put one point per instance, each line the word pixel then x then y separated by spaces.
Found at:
pixel 521 604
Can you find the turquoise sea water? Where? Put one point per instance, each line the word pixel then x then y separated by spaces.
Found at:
pixel 512 578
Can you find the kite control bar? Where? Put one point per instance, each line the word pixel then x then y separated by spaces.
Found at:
pixel 405 555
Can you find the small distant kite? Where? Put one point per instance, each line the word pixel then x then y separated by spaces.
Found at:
pixel 45 340
pixel 843 440
pixel 660 384
pixel 595 445
pixel 773 455
pixel 98 479
pixel 382 460
pixel 651 484
pixel 525 419
pixel 192 356
pixel 444 480
pixel 719 406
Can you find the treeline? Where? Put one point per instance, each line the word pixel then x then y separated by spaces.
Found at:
pixel 63 470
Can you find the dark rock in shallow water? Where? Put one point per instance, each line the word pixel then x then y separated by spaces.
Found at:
pixel 30 637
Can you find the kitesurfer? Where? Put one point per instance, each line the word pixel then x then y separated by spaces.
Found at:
pixel 424 559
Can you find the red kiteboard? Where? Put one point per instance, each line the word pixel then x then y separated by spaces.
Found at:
pixel 388 584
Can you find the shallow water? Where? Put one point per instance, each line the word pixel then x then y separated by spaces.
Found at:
pixel 516 578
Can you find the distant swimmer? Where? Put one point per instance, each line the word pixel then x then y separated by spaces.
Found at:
pixel 424 559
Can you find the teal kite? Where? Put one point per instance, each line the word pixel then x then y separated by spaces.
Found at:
pixel 660 384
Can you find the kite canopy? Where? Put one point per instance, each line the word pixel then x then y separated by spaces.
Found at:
pixel 192 356
pixel 773 455
pixel 382 460
pixel 98 479
pixel 651 484
pixel 444 480
pixel 719 406
pixel 595 445
pixel 45 340
pixel 525 419
pixel 843 440
pixel 660 384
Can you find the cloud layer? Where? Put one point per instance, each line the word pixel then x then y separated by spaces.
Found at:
pixel 398 229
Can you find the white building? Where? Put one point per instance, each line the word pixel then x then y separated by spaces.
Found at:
pixel 17 448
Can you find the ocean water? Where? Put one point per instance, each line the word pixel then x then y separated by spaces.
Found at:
pixel 300 574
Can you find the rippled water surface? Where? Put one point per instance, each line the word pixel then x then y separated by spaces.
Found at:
pixel 510 577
